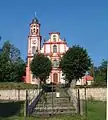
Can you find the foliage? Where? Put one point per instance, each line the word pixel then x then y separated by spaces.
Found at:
pixel 13 85
pixel 12 67
pixel 41 67
pixel 91 70
pixel 75 63
pixel 100 74
pixel 18 70
pixel 94 85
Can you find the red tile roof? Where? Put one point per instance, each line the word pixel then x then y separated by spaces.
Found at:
pixel 88 78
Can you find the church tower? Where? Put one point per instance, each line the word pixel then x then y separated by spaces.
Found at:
pixel 34 46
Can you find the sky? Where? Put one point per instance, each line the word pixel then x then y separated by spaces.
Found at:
pixel 83 22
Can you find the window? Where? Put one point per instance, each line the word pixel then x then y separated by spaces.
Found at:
pixel 33 50
pixel 33 76
pixel 37 31
pixel 33 30
pixel 54 48
pixel 54 35
pixel 54 39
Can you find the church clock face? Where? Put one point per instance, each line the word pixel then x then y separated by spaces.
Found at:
pixel 34 41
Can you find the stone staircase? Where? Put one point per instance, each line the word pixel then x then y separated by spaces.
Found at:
pixel 57 105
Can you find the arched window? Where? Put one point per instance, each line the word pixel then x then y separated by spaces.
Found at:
pixel 31 32
pixel 54 38
pixel 34 30
pixel 54 35
pixel 33 76
pixel 54 48
pixel 55 77
pixel 33 50
pixel 37 31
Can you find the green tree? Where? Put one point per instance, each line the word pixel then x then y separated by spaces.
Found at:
pixel 5 63
pixel 101 73
pixel 41 67
pixel 74 63
pixel 12 67
pixel 15 54
pixel 17 70
pixel 103 69
pixel 91 70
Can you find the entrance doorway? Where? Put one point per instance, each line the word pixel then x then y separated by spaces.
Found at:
pixel 55 78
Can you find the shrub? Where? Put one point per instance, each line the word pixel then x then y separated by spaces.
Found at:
pixel 12 85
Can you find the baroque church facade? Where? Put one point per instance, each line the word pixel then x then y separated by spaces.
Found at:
pixel 53 48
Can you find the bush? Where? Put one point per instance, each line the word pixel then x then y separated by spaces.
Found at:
pixel 95 85
pixel 12 85
pixel 99 84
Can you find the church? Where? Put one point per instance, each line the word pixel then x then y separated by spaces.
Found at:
pixel 53 48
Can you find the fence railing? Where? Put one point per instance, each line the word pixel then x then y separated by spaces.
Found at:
pixel 34 102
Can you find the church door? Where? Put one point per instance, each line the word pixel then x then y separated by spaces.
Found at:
pixel 55 78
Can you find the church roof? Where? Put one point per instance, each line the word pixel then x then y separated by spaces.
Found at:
pixel 54 33
pixel 35 21
pixel 88 77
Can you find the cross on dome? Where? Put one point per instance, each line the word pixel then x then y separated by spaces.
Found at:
pixel 35 20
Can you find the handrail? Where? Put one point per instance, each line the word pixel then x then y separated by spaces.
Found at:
pixel 34 103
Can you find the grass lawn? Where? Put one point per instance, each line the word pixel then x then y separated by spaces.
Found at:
pixel 96 111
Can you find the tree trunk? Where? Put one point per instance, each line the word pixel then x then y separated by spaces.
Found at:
pixel 73 83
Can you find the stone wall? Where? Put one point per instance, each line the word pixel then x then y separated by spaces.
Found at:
pixel 18 94
pixel 91 93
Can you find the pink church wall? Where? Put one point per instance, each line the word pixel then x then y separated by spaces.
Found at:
pixel 34 39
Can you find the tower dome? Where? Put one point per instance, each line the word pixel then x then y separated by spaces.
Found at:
pixel 35 20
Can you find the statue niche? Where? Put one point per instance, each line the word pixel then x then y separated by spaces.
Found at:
pixel 55 63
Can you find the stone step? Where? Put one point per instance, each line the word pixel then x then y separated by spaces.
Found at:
pixel 54 111
pixel 55 100
pixel 54 108
pixel 61 105
pixel 55 104
pixel 61 94
pixel 54 92
pixel 40 106
pixel 45 113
